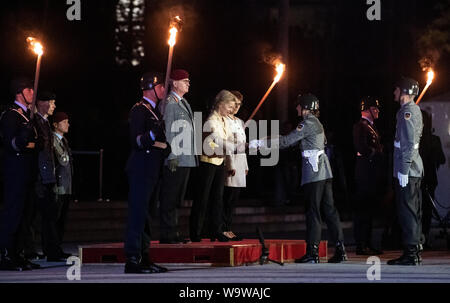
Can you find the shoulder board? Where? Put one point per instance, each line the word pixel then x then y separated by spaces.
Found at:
pixel 136 104
pixel 171 97
pixel 20 112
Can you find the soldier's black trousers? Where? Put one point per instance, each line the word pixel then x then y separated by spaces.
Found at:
pixel 62 202
pixel 365 200
pixel 209 197
pixel 143 173
pixel 18 176
pixel 319 196
pixel 230 197
pixel 174 186
pixel 409 210
pixel 46 202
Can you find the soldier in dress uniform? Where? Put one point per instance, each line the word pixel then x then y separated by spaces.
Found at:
pixel 19 168
pixel 63 170
pixel 178 119
pixel 368 171
pixel 148 151
pixel 316 180
pixel 408 171
pixel 46 178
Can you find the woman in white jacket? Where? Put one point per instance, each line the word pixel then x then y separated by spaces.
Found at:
pixel 236 169
pixel 212 171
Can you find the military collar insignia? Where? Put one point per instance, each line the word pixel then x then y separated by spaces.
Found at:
pixel 407 115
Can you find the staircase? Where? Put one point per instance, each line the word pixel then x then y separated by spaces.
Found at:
pixel 92 221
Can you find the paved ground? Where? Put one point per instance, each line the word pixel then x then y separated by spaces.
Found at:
pixel 435 269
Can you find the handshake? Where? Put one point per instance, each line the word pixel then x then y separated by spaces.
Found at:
pixel 255 144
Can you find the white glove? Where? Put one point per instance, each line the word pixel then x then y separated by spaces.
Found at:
pixel 255 144
pixel 402 179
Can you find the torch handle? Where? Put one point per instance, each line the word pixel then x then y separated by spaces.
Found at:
pixel 422 93
pixel 169 66
pixel 262 100
pixel 36 84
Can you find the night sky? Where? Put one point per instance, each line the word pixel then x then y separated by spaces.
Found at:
pixel 334 52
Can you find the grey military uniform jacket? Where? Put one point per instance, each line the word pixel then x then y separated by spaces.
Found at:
pixel 64 166
pixel 407 160
pixel 179 118
pixel 311 135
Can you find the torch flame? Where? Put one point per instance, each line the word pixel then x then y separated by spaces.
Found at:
pixel 36 46
pixel 280 70
pixel 173 35
pixel 430 76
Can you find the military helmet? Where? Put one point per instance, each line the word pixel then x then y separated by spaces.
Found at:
pixel 308 101
pixel 408 86
pixel 19 84
pixel 45 96
pixel 369 101
pixel 150 80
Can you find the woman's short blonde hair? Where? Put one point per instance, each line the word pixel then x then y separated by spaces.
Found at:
pixel 224 96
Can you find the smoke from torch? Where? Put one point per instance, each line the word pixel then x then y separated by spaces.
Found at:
pixel 280 68
pixel 430 77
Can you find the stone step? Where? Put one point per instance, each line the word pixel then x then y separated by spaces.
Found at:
pixel 115 211
pixel 75 225
pixel 106 221
pixel 249 230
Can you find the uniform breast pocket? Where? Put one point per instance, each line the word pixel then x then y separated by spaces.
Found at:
pixel 182 116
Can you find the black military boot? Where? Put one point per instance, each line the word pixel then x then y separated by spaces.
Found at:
pixel 152 267
pixel 409 257
pixel 311 256
pixel 9 263
pixel 419 252
pixel 133 266
pixel 339 254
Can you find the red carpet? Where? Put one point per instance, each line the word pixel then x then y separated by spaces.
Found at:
pixel 216 253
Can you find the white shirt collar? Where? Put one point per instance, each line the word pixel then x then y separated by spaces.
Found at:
pixel 58 135
pixel 42 116
pixel 176 95
pixel 371 122
pixel 153 104
pixel 21 105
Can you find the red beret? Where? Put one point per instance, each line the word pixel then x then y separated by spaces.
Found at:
pixel 59 116
pixel 179 74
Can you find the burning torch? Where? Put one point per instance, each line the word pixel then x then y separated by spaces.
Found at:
pixel 37 48
pixel 430 76
pixel 175 27
pixel 280 67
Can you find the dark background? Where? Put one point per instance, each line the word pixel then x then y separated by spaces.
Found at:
pixel 334 52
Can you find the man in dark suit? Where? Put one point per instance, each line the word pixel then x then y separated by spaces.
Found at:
pixel 369 158
pixel 148 151
pixel 19 169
